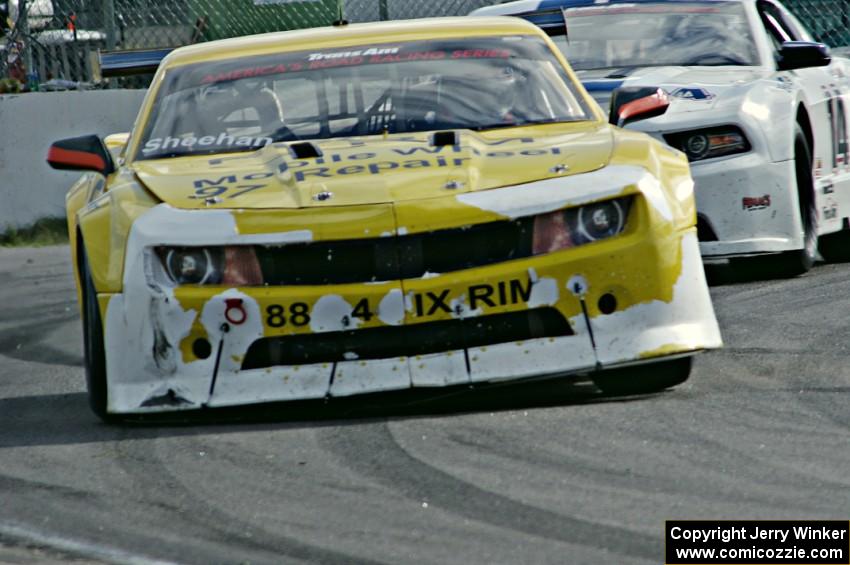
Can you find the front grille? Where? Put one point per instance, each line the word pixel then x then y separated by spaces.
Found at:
pixel 406 341
pixel 393 258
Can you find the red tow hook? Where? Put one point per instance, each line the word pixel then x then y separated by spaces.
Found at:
pixel 234 311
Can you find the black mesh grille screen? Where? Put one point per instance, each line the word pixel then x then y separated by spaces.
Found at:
pixel 393 258
pixel 405 341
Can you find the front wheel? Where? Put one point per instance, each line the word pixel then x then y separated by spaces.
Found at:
pixel 643 379
pixel 93 348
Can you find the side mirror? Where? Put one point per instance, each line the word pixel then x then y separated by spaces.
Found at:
pixel 802 55
pixel 633 103
pixel 115 143
pixel 86 153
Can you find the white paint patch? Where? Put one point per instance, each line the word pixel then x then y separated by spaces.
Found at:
pixel 438 369
pixel 143 319
pixel 402 231
pixel 146 313
pixel 391 308
pixel 548 195
pixel 332 313
pixel 272 384
pixel 238 338
pixel 430 275
pixel 278 238
pixel 350 356
pixel 544 292
pixel 687 320
pixel 164 224
pixel 547 356
pixel 355 377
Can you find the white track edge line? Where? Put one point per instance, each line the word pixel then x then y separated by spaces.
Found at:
pixel 79 548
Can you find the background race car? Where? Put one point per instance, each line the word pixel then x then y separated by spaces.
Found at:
pixel 758 108
pixel 311 214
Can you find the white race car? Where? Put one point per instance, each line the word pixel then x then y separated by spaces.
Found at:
pixel 757 106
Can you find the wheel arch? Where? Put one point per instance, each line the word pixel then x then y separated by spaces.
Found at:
pixel 805 123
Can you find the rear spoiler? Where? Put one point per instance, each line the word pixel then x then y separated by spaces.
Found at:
pixel 133 62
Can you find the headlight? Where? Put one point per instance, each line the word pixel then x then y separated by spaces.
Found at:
pixel 192 265
pixel 232 265
pixel 601 220
pixel 708 143
pixel 577 226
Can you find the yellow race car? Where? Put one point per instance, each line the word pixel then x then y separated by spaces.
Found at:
pixel 363 208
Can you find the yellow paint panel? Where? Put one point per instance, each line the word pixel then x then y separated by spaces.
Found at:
pixel 105 224
pixel 349 222
pixel 617 265
pixel 374 170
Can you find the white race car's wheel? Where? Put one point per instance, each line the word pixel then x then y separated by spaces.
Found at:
pixel 835 247
pixel 643 379
pixel 95 355
pixel 799 261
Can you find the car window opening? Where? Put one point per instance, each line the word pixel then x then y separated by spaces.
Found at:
pixel 407 87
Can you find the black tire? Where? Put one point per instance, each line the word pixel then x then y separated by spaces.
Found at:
pixel 835 247
pixel 643 379
pixel 93 348
pixel 792 263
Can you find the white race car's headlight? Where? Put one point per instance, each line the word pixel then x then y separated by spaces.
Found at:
pixel 572 227
pixel 708 143
pixel 231 265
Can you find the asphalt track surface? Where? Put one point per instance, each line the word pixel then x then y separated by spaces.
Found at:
pixel 543 473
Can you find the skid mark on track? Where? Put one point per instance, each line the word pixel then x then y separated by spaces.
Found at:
pixel 16 484
pixel 27 343
pixel 373 452
pixel 153 481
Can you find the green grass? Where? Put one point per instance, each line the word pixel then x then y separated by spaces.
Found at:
pixel 46 231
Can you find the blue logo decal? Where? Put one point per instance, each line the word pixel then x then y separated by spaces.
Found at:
pixel 693 94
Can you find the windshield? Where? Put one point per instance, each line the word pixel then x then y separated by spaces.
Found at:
pixel 246 103
pixel 620 36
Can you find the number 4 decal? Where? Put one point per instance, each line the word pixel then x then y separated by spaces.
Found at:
pixel 363 311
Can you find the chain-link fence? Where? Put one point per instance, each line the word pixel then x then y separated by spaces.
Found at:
pixel 828 20
pixel 59 39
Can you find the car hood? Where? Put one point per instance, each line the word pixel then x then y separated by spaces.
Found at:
pixel 692 88
pixel 378 169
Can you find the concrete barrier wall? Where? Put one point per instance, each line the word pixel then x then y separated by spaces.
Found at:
pixel 29 123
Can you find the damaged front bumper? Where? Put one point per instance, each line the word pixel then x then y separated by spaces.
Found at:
pixel 637 297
